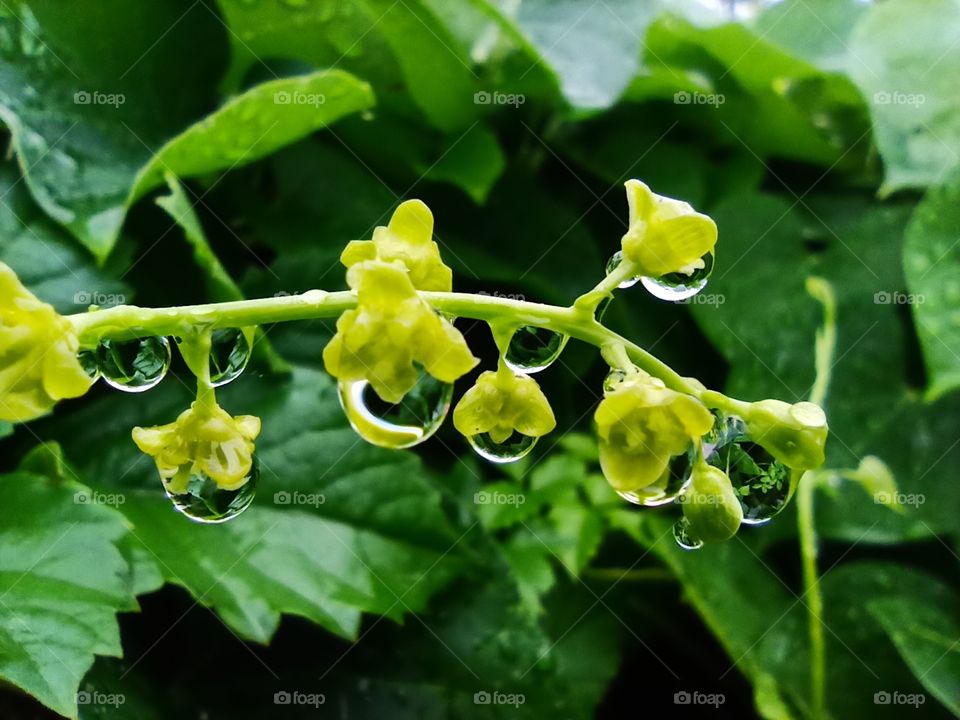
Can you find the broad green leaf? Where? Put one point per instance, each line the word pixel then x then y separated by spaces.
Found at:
pixel 436 67
pixel 817 31
pixel 46 258
pixel 904 56
pixel 931 261
pixel 925 628
pixel 88 93
pixel 62 581
pixel 338 527
pixel 472 161
pixel 565 32
pixel 257 123
pixel 761 320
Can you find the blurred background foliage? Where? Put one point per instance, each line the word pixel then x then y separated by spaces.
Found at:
pixel 823 136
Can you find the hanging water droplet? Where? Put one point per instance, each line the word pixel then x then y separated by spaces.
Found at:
pixel 762 483
pixel 532 349
pixel 668 488
pixel 682 536
pixel 229 353
pixel 202 500
pixel 680 285
pixel 402 425
pixel 134 365
pixel 510 450
pixel 88 361
pixel 612 265
pixel 613 379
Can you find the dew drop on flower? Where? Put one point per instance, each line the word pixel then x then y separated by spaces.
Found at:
pixel 679 285
pixel 401 425
pixel 88 361
pixel 614 378
pixel 510 450
pixel 682 536
pixel 762 483
pixel 229 353
pixel 134 365
pixel 532 349
pixel 612 264
pixel 206 502
pixel 668 488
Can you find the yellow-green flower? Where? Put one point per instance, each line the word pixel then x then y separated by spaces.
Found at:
pixel 501 403
pixel 665 235
pixel 710 505
pixel 641 424
pixel 204 439
pixel 407 239
pixel 794 434
pixel 391 329
pixel 38 354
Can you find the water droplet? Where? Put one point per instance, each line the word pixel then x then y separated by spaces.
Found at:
pixel 668 488
pixel 682 536
pixel 510 450
pixel 204 501
pixel 613 379
pixel 762 482
pixel 229 353
pixel 612 264
pixel 402 425
pixel 88 361
pixel 533 349
pixel 680 286
pixel 134 365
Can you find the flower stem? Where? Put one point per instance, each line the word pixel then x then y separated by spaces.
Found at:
pixel 814 598
pixel 128 321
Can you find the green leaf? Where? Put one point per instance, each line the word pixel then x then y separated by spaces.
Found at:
pixel 257 123
pixel 925 628
pixel 931 261
pixel 338 527
pixel 50 263
pixel 565 32
pixel 904 56
pixel 88 93
pixel 436 68
pixel 473 161
pixel 814 30
pixel 62 581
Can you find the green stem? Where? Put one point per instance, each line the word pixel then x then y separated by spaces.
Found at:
pixel 128 321
pixel 814 598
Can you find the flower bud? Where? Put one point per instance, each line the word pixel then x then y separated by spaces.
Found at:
pixel 641 424
pixel 794 434
pixel 710 505
pixel 38 354
pixel 203 440
pixel 665 235
pixel 501 403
